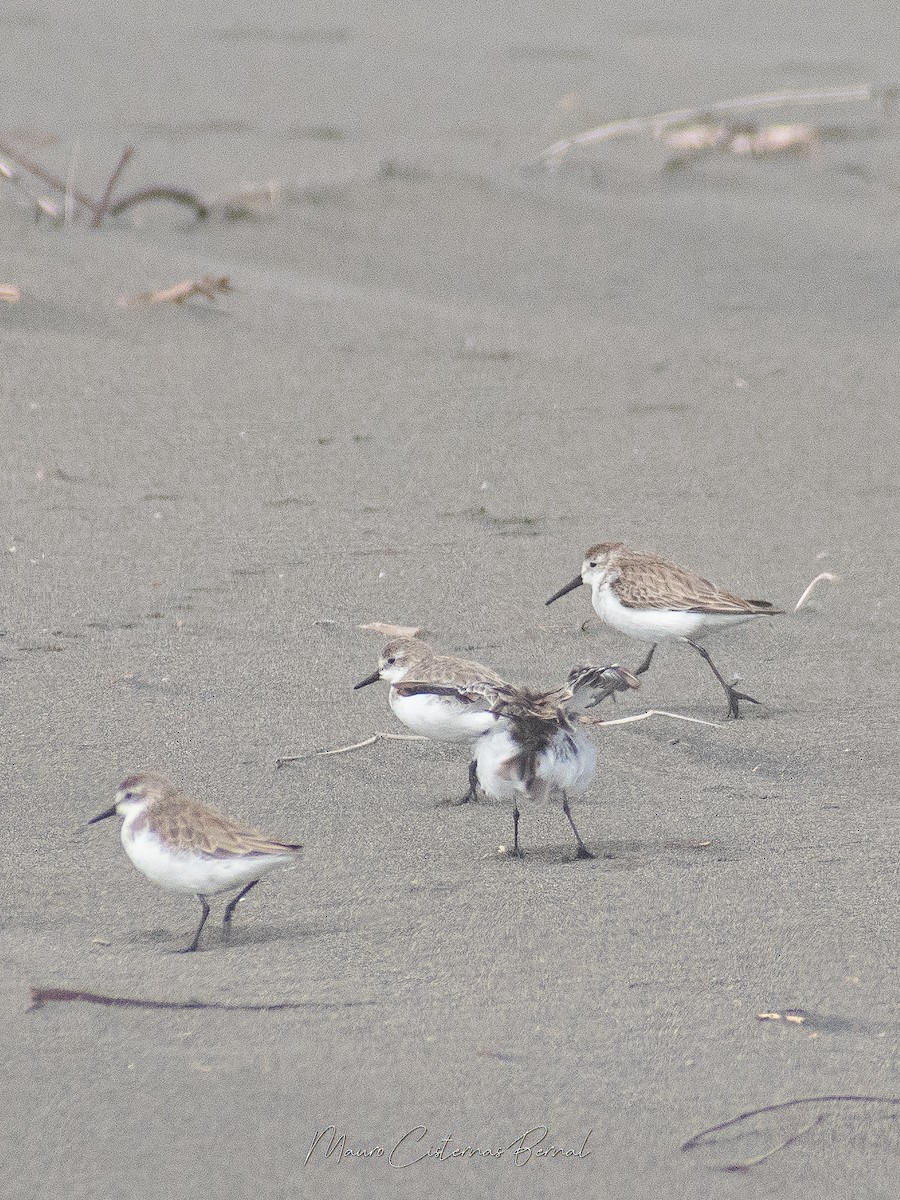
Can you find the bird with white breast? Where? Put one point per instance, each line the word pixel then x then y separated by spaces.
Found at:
pixel 649 598
pixel 537 749
pixel 186 846
pixel 428 695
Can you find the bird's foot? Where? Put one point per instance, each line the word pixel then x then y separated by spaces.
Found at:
pixel 733 697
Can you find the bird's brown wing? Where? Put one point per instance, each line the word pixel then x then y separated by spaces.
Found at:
pixel 188 825
pixel 652 582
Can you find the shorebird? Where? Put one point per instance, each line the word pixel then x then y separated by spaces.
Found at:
pixel 188 847
pixel 537 749
pixel 425 705
pixel 654 600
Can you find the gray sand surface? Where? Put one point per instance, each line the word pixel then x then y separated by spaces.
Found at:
pixel 437 381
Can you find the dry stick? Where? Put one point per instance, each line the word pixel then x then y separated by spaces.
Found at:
pixel 40 172
pixel 700 1139
pixel 103 206
pixel 652 712
pixel 44 995
pixel 659 121
pixel 369 741
pixel 809 590
pixel 41 204
pixel 176 195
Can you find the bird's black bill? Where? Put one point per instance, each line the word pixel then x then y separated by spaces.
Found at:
pixel 373 678
pixel 110 812
pixel 563 591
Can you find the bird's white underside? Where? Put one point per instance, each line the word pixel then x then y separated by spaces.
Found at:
pixel 189 871
pixel 442 718
pixel 658 624
pixel 568 765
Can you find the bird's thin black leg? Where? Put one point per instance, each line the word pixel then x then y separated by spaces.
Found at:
pixel 232 905
pixel 196 942
pixel 645 665
pixel 583 851
pixel 472 794
pixel 516 852
pixel 733 695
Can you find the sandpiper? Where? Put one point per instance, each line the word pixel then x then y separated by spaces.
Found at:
pixel 188 847
pixel 420 699
pixel 654 600
pixel 537 748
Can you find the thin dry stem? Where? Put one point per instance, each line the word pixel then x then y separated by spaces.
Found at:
pixel 208 287
pixel 33 168
pixel 651 712
pixel 369 741
pixel 808 591
pixel 41 204
pixel 660 122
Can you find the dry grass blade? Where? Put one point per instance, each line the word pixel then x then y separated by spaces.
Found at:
pixel 9 293
pixel 209 287
pixel 651 712
pixel 369 741
pixel 392 631
pixel 808 591
pixel 42 206
pixel 658 123
pixel 65 188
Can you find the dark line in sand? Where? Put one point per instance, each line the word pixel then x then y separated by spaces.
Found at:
pixel 46 995
pixel 700 1139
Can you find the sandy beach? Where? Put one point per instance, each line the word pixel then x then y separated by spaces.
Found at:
pixel 438 378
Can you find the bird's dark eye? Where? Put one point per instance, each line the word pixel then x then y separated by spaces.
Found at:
pixel 391 661
pixel 129 795
pixel 592 564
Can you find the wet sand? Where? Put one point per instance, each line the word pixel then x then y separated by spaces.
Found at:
pixel 437 381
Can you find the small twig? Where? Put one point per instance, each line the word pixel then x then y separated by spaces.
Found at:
pixel 176 195
pixel 369 741
pixel 208 287
pixel 41 204
pixel 809 590
pixel 45 995
pixel 33 168
pixel 103 206
pixel 651 712
pixel 659 122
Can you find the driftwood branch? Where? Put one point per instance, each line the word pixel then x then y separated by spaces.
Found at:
pixel 103 206
pixel 39 172
pixel 708 1137
pixel 173 194
pixel 658 123
pixel 98 210
pixel 47 995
